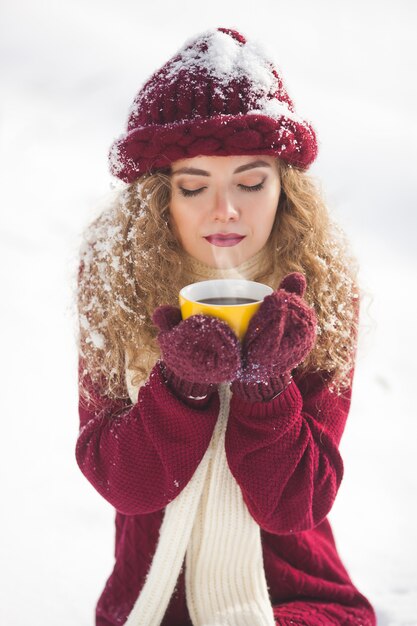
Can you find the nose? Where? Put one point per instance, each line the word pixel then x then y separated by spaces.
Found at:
pixel 224 209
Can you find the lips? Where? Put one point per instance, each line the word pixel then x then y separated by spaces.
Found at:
pixel 231 239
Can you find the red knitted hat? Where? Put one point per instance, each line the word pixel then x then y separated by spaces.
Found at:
pixel 219 95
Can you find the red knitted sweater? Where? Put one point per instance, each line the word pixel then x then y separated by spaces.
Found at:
pixel 284 456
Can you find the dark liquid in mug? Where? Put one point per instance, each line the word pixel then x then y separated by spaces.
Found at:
pixel 227 300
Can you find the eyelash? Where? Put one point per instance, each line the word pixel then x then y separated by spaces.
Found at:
pixel 193 192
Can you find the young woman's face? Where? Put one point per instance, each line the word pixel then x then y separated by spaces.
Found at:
pixel 223 208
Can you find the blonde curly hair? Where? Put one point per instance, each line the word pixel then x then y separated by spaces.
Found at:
pixel 131 247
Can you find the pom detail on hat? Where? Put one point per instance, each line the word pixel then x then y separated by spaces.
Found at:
pixel 219 95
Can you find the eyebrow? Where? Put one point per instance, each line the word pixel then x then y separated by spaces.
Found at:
pixel 241 168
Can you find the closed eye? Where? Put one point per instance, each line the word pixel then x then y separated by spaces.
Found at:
pixel 257 187
pixel 193 192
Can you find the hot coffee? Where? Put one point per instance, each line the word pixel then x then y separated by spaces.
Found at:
pixel 224 300
pixel 232 300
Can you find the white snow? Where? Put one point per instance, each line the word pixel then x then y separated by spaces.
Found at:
pixel 226 59
pixel 97 339
pixel 69 72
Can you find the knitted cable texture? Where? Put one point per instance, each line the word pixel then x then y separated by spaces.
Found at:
pixel 141 455
pixel 218 95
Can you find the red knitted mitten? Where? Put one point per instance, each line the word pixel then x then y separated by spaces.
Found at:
pixel 197 353
pixel 279 337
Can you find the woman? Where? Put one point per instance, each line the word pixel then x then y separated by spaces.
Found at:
pixel 221 458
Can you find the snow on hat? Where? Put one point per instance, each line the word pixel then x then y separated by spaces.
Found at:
pixel 219 95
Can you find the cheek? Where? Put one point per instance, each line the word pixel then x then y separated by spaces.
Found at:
pixel 178 221
pixel 272 207
pixel 185 223
pixel 173 219
pixel 274 194
pixel 262 215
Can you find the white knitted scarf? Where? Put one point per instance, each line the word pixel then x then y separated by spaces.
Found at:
pixel 209 526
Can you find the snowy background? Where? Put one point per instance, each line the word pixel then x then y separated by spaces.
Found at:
pixel 69 72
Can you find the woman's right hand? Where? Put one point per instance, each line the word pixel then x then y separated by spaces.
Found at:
pixel 200 349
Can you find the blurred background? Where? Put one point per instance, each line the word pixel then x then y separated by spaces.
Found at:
pixel 69 73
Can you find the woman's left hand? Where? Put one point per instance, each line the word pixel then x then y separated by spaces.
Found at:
pixel 279 337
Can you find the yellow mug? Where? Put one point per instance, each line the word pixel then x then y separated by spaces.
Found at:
pixel 230 299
